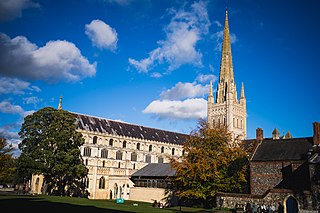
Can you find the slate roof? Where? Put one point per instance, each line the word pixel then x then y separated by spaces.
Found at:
pixel 155 170
pixel 102 125
pixel 283 149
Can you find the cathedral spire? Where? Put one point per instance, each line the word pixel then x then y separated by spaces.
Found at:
pixel 60 103
pixel 210 91
pixel 226 67
pixel 226 78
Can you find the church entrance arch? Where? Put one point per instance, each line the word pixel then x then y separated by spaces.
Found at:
pixel 292 205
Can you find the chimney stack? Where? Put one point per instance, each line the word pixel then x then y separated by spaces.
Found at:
pixel 316 133
pixel 259 134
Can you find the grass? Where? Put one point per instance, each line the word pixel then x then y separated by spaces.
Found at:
pixel 43 204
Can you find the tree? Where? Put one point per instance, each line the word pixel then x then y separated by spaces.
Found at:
pixel 7 162
pixel 51 147
pixel 213 162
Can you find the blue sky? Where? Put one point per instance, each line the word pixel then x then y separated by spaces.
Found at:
pixel 149 62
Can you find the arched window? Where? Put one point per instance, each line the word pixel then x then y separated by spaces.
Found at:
pixel 104 153
pixel 86 162
pixel 148 158
pixel 102 182
pixel 160 159
pixel 119 165
pixel 111 142
pixel 162 149
pixel 124 144
pixel 103 163
pixel 133 156
pixel 134 166
pixel 119 155
pixel 150 148
pixel 182 152
pixel 87 152
pixel 138 146
pixel 95 138
pixel 172 151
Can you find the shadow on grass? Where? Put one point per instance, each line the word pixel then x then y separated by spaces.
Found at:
pixel 43 206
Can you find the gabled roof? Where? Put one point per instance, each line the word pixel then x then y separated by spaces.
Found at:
pixel 102 125
pixel 155 170
pixel 283 149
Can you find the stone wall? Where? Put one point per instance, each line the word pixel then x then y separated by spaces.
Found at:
pixel 266 175
pixel 272 197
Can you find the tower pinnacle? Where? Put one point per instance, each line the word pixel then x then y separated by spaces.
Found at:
pixel 60 103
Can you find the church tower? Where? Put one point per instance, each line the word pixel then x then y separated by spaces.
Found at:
pixel 226 109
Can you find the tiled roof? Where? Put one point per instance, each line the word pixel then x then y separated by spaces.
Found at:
pixel 155 170
pixel 101 125
pixel 283 149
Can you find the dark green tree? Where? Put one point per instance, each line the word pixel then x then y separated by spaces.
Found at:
pixel 7 163
pixel 213 162
pixel 51 147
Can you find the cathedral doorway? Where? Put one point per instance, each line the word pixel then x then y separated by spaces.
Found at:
pixel 291 205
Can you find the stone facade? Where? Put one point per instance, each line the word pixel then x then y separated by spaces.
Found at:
pixel 267 175
pixel 114 150
pixel 227 110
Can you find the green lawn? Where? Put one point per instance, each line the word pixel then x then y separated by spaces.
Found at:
pixel 43 204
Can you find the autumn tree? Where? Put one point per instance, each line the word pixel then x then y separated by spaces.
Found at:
pixel 7 162
pixel 51 147
pixel 213 162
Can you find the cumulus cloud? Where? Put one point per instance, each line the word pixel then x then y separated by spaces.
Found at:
pixel 102 35
pixel 8 108
pixel 56 61
pixel 16 86
pixel 185 90
pixel 11 9
pixel 183 32
pixel 186 109
pixel 204 78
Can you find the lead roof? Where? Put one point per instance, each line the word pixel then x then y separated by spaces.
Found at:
pixel 102 125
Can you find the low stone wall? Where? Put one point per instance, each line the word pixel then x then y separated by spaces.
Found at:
pixel 274 198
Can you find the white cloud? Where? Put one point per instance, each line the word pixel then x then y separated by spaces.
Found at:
pixel 218 23
pixel 11 9
pixel 187 109
pixel 56 61
pixel 183 32
pixel 32 100
pixel 156 75
pixel 16 86
pixel 120 2
pixel 185 90
pixel 202 78
pixel 102 35
pixel 7 107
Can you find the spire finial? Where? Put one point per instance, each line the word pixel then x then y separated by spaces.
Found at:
pixel 60 103
pixel 210 91
pixel 242 91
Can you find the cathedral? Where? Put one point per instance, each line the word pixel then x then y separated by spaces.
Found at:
pixel 113 151
pixel 226 109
